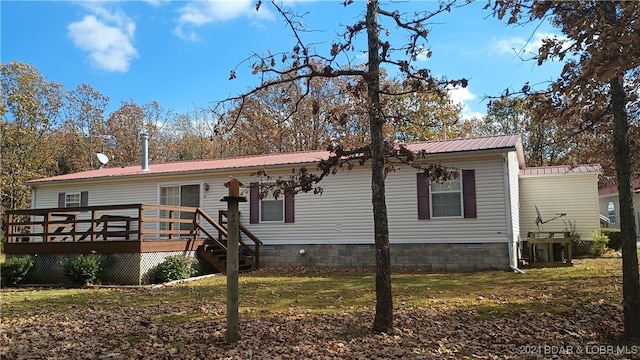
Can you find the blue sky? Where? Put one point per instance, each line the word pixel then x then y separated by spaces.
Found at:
pixel 179 53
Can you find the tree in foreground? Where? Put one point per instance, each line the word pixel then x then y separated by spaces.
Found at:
pixel 601 44
pixel 304 64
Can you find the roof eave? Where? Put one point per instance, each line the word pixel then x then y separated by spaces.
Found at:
pixel 150 173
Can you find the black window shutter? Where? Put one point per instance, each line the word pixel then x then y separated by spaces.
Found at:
pixel 289 208
pixel 423 197
pixel 61 200
pixel 469 193
pixel 254 203
pixel 84 198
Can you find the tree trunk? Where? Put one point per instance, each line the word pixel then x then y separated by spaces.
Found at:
pixel 630 275
pixel 383 321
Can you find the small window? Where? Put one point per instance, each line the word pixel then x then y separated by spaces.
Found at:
pixel 446 198
pixel 611 209
pixel 272 210
pixel 72 200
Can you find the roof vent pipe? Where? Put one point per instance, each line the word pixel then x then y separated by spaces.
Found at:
pixel 145 151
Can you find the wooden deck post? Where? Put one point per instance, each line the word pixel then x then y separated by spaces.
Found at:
pixel 93 225
pixel 45 227
pixel 10 238
pixel 141 223
pixel 233 249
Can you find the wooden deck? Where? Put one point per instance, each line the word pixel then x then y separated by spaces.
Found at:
pixel 112 229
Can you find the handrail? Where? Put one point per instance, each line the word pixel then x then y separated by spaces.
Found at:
pixel 221 230
pixel 255 252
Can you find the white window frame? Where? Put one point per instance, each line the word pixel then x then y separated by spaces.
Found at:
pixel 279 199
pixel 461 193
pixel 68 203
pixel 611 212
pixel 179 185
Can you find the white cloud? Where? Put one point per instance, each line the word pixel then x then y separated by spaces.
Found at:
pixel 460 96
pixel 423 54
pixel 523 47
pixel 156 2
pixel 199 13
pixel 107 37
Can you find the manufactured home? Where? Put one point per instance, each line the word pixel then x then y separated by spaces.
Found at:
pixel 136 216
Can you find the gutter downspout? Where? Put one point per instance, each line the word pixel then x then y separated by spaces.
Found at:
pixel 507 196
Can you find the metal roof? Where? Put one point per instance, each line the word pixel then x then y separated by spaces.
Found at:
pixel 562 169
pixel 499 142
pixel 467 144
pixel 613 189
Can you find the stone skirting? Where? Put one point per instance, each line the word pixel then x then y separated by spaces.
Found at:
pixel 430 257
pixel 136 269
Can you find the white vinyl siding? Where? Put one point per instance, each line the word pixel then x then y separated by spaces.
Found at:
pixel 342 214
pixel 573 194
pixel 488 226
pixel 512 171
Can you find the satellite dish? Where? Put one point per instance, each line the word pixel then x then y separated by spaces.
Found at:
pixel 104 159
pixel 539 220
pixel 538 216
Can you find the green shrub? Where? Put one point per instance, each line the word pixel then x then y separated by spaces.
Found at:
pixel 578 247
pixel 615 238
pixel 16 270
pixel 599 242
pixel 174 268
pixel 84 269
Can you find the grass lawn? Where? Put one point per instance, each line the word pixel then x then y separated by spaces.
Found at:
pixel 327 313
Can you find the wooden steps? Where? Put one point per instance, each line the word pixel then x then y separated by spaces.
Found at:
pixel 216 255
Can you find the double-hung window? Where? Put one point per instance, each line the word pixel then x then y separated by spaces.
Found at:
pixel 454 198
pixel 270 209
pixel 446 198
pixel 71 200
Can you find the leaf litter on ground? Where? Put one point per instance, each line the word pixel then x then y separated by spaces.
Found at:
pixel 546 313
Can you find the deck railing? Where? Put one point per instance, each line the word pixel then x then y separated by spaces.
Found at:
pixel 91 223
pixel 119 228
pixel 136 222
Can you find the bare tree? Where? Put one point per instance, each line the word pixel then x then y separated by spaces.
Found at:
pixel 600 50
pixel 303 63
